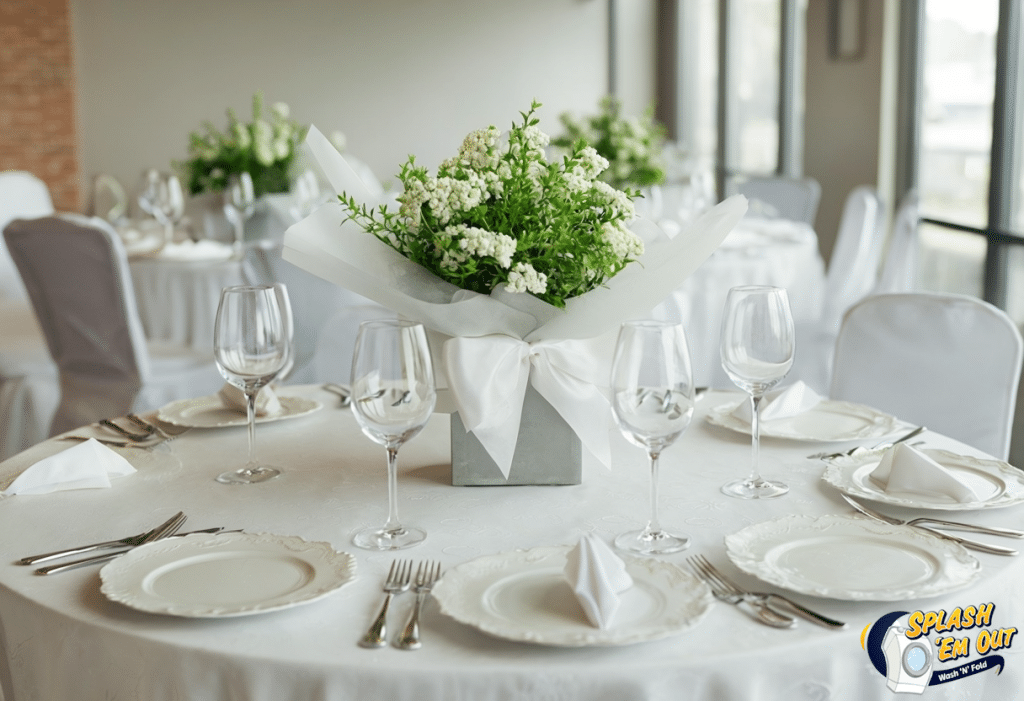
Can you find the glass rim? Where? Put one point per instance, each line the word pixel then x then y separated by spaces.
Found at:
pixel 385 323
pixel 245 288
pixel 651 323
pixel 755 288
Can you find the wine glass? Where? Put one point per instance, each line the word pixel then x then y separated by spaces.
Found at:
pixel 652 401
pixel 239 205
pixel 250 347
pixel 757 352
pixel 393 395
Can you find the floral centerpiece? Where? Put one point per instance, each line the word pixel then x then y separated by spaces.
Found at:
pixel 523 269
pixel 265 148
pixel 633 147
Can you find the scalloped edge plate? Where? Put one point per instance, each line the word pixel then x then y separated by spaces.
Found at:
pixel 522 595
pixel 210 412
pixel 828 421
pixel 850 558
pixel 225 575
pixel 1003 482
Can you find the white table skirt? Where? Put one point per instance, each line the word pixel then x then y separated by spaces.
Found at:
pixel 775 252
pixel 62 640
pixel 29 390
pixel 177 300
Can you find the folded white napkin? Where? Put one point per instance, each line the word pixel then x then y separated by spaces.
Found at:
pixel 89 464
pixel 781 403
pixel 267 403
pixel 597 576
pixel 905 469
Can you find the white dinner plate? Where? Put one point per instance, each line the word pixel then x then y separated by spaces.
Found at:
pixel 854 559
pixel 210 412
pixel 827 421
pixel 226 574
pixel 523 595
pixel 997 483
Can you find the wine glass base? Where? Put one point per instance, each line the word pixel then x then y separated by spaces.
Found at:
pixel 249 475
pixel 755 489
pixel 648 542
pixel 389 539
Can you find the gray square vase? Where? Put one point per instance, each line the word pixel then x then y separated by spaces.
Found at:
pixel 548 451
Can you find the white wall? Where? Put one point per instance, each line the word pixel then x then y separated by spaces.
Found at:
pixel 397 76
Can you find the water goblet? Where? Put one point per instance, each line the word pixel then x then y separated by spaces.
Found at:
pixel 251 348
pixel 393 396
pixel 652 401
pixel 757 352
pixel 239 205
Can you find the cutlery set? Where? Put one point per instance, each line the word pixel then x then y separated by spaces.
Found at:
pixel 167 529
pixel 401 578
pixel 862 449
pixel 143 434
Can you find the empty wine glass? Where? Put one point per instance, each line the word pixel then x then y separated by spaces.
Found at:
pixel 757 352
pixel 652 401
pixel 239 205
pixel 251 348
pixel 393 396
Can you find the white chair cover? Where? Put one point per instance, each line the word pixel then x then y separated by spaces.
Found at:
pixel 76 272
pixel 790 198
pixel 948 362
pixel 899 271
pixel 22 196
pixel 326 316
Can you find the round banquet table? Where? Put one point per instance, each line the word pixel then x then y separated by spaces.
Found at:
pixel 759 251
pixel 61 639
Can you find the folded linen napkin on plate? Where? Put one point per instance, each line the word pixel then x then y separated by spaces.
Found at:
pixel 781 403
pixel 905 469
pixel 597 577
pixel 89 464
pixel 267 403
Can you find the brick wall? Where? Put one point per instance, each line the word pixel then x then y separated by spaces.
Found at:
pixel 37 118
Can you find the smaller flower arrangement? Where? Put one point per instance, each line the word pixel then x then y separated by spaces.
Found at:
pixel 264 147
pixel 500 214
pixel 632 147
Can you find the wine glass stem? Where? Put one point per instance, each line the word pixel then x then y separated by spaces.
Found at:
pixel 755 437
pixel 393 523
pixel 654 526
pixel 250 410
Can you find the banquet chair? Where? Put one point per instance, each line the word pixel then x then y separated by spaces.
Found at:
pixel 76 272
pixel 326 317
pixel 22 196
pixel 852 274
pixel 790 198
pixel 899 269
pixel 949 362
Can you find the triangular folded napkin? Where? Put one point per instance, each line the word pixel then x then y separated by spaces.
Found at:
pixel 597 576
pixel 267 403
pixel 89 464
pixel 905 469
pixel 781 403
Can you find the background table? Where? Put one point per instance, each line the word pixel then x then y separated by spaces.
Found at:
pixel 775 252
pixel 61 639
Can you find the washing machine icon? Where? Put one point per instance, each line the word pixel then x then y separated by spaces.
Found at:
pixel 908 662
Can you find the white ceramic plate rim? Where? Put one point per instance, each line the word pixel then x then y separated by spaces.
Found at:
pixel 751 550
pixel 687 599
pixel 191 412
pixel 848 475
pixel 879 424
pixel 123 580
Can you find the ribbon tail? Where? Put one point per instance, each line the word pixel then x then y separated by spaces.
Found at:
pixel 580 403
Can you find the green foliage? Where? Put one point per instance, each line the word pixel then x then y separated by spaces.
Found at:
pixel 265 148
pixel 632 146
pixel 499 213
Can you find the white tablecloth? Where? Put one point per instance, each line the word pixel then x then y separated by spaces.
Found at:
pixel 62 640
pixel 177 299
pixel 29 390
pixel 775 252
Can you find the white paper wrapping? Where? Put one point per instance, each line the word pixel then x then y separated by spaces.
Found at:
pixel 529 337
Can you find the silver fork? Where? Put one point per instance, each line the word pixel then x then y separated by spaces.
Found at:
pixel 861 449
pixel 157 430
pixel 397 581
pixel 767 598
pixel 727 592
pixel 136 437
pixel 426 575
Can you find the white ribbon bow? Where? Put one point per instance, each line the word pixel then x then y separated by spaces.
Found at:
pixel 488 374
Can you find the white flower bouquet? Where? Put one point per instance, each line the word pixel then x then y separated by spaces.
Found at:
pixel 449 257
